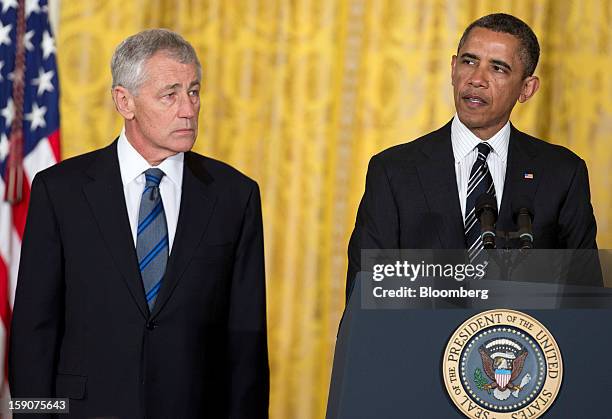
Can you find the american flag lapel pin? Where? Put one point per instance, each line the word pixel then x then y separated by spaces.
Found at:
pixel 528 175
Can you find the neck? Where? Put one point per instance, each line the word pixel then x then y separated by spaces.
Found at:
pixel 485 133
pixel 152 155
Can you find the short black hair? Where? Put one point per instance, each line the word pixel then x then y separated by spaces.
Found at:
pixel 502 22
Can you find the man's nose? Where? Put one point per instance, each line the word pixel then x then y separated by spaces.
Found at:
pixel 478 78
pixel 187 108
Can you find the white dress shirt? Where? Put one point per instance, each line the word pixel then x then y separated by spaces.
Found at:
pixel 464 149
pixel 132 166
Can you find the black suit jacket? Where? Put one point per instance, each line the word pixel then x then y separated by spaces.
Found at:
pixel 411 199
pixel 81 327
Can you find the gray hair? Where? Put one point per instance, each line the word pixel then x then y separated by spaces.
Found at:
pixel 127 64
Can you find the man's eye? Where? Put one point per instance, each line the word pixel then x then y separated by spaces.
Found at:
pixel 499 69
pixel 194 93
pixel 469 61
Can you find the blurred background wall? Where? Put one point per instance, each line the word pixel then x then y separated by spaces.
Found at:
pixel 299 94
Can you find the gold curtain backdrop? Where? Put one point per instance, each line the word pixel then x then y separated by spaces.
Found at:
pixel 300 94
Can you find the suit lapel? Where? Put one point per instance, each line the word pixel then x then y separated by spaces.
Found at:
pixel 521 180
pixel 439 182
pixel 197 204
pixel 107 201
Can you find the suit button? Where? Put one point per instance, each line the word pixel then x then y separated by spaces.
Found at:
pixel 151 325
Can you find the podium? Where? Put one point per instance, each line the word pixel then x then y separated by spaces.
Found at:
pixel 388 362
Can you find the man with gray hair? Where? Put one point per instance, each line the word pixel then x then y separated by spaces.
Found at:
pixel 141 289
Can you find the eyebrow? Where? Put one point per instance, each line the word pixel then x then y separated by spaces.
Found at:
pixel 500 63
pixel 175 85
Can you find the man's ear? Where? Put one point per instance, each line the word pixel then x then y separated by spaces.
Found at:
pixel 453 63
pixel 530 86
pixel 124 102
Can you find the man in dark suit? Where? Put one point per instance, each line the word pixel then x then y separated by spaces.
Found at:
pixel 420 195
pixel 141 289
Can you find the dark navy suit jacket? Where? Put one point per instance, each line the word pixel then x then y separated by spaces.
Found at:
pixel 411 199
pixel 81 326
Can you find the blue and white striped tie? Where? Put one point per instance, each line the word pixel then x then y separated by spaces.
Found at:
pixel 152 238
pixel 480 182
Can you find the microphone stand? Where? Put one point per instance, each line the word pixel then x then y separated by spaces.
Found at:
pixel 505 261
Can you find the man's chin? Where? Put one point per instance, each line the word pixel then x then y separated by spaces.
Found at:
pixel 470 120
pixel 183 144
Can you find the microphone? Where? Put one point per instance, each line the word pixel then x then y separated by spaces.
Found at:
pixel 523 217
pixel 486 213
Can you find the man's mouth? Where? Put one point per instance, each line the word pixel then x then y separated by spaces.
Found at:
pixel 474 100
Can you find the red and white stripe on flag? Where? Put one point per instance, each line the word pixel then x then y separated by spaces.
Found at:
pixel 29 131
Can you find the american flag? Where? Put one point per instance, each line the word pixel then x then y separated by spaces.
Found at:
pixel 29 131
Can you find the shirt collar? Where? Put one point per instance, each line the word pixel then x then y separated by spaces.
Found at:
pixel 132 164
pixel 464 141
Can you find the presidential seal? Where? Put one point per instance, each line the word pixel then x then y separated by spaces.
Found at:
pixel 502 364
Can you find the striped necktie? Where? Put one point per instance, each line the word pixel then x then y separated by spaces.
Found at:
pixel 152 236
pixel 480 182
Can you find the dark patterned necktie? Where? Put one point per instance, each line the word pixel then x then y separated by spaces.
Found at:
pixel 480 182
pixel 152 238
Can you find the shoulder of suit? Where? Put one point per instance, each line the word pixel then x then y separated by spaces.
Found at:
pixel 71 167
pixel 216 169
pixel 553 153
pixel 411 150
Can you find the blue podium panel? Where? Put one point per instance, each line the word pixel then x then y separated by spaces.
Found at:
pixel 388 362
